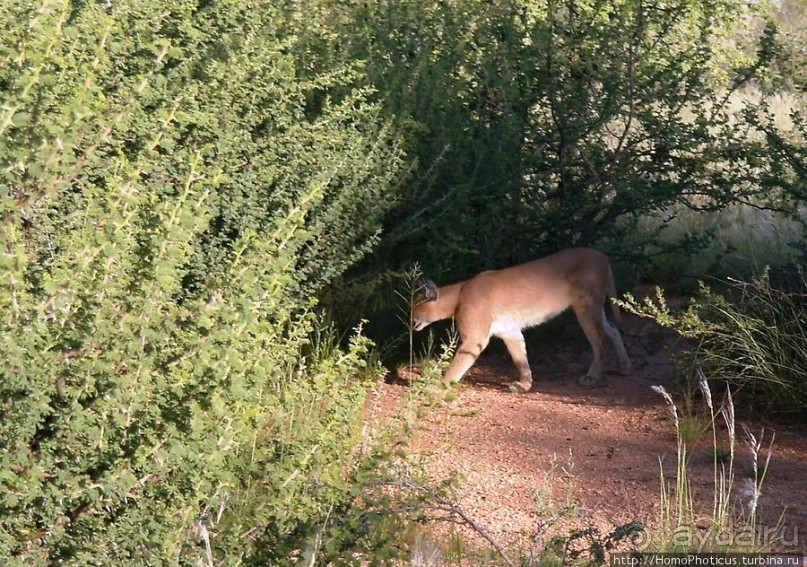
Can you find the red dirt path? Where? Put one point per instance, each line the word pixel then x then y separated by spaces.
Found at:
pixel 597 448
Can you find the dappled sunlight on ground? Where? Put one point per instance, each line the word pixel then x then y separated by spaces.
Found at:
pixel 521 454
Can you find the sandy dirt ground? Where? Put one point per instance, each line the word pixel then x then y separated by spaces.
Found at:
pixel 589 456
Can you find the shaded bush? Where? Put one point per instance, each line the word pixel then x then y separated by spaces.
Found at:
pixel 538 127
pixel 751 338
pixel 555 125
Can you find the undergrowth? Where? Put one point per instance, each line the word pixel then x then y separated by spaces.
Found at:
pixel 731 524
pixel 746 344
pixel 750 338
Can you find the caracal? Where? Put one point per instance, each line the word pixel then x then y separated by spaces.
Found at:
pixel 502 303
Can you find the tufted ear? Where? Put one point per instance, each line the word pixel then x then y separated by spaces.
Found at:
pixel 427 289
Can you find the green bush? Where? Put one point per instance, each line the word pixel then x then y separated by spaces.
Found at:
pixel 751 338
pixel 556 124
pixel 172 194
pixel 540 126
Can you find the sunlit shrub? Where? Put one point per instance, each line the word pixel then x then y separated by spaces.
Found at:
pixel 751 338
pixel 170 201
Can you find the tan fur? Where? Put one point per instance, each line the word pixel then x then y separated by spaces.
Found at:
pixel 504 302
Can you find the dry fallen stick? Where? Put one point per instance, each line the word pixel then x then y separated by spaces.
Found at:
pixel 440 503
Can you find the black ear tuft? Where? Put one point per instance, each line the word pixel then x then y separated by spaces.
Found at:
pixel 427 289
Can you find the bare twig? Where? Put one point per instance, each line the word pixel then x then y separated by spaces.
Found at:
pixel 440 503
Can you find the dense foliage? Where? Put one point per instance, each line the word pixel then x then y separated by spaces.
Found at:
pixel 551 124
pixel 750 338
pixel 173 193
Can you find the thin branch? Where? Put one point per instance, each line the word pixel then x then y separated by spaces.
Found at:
pixel 632 55
pixel 442 504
